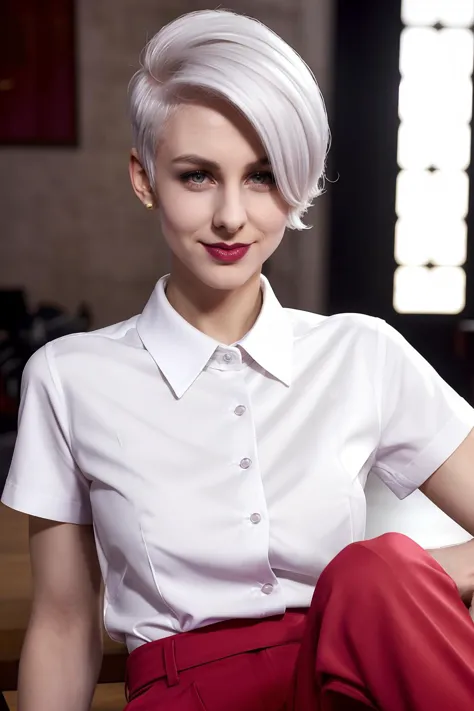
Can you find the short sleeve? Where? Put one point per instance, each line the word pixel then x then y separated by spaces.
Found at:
pixel 422 419
pixel 44 480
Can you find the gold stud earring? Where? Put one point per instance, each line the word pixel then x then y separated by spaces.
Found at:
pixel 149 205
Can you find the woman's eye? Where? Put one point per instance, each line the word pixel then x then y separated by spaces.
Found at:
pixel 263 178
pixel 196 177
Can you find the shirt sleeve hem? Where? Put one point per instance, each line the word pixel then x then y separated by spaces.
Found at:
pixel 62 511
pixel 446 441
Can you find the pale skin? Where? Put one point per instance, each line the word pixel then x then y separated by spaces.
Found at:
pixel 451 488
pixel 229 197
pixel 233 201
pixel 61 657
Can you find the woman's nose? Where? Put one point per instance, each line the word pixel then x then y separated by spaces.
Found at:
pixel 230 213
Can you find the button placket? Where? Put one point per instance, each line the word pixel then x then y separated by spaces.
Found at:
pixel 246 463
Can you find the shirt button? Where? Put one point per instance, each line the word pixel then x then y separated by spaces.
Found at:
pixel 245 463
pixel 267 589
pixel 255 518
pixel 228 357
pixel 239 410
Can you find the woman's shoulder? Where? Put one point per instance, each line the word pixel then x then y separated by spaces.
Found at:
pixel 92 340
pixel 78 350
pixel 308 323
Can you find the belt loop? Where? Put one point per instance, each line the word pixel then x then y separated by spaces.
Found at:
pixel 169 658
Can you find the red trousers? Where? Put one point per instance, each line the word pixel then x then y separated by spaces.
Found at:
pixel 386 630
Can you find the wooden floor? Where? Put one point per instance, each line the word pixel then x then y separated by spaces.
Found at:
pixel 15 595
pixel 108 697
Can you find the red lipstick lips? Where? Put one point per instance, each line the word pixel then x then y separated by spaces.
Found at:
pixel 227 253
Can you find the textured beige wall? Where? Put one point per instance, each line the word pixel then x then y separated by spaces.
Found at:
pixel 70 227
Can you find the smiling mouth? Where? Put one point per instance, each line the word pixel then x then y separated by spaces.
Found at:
pixel 226 253
pixel 225 245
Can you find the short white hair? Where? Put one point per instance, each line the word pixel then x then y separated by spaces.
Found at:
pixel 244 62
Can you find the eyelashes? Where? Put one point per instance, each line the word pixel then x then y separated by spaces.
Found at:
pixel 196 179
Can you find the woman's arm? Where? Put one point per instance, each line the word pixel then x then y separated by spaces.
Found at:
pixel 451 488
pixel 62 653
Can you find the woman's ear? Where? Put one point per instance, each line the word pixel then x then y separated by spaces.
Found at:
pixel 140 181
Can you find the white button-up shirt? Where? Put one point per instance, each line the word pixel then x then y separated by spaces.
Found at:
pixel 220 480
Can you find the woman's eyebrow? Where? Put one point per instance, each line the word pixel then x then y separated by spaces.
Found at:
pixel 194 159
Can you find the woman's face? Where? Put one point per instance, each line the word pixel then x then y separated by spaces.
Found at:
pixel 214 186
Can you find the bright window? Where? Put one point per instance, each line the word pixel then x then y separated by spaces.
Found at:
pixel 451 13
pixel 434 149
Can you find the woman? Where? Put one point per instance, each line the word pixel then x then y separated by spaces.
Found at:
pixel 214 449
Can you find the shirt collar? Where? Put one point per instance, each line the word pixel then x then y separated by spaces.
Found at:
pixel 182 352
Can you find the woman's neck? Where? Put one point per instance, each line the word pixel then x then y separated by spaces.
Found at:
pixel 225 316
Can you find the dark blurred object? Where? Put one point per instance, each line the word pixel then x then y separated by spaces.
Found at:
pixel 7 445
pixel 21 334
pixel 465 351
pixel 13 312
pixel 14 320
pixel 37 73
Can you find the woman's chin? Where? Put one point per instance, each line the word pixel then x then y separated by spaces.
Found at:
pixel 226 277
pixel 229 278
